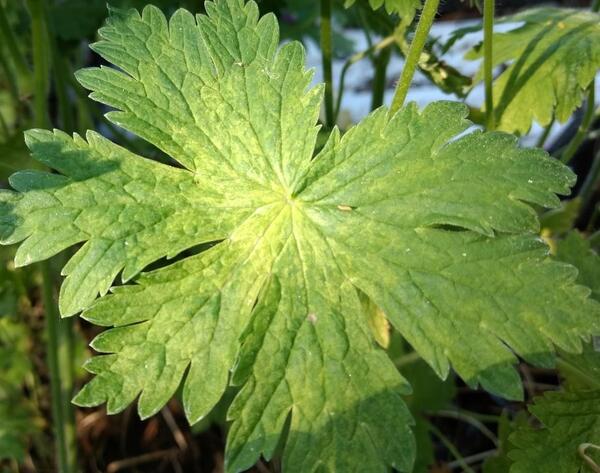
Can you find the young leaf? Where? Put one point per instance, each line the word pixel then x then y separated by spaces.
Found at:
pixel 554 55
pixel 429 222
pixel 571 421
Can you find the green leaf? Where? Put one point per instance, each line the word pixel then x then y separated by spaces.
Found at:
pixel 501 462
pixel 553 57
pixel 581 371
pixel 406 9
pixel 428 220
pixel 576 250
pixel 570 420
pixel 562 219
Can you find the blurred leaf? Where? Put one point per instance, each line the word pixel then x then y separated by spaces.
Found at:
pixel 18 418
pixel 576 250
pixel 18 421
pixel 14 156
pixel 406 9
pixel 561 219
pixel 553 57
pixel 429 393
pixel 501 462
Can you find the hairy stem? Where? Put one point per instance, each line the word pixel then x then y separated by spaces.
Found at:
pixel 59 332
pixel 327 53
pixel 488 32
pixel 412 59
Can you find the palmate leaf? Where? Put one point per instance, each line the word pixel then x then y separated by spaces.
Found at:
pixel 432 224
pixel 553 56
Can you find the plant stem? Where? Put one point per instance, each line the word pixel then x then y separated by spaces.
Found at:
pixel 544 136
pixel 384 43
pixel 462 416
pixel 327 53
pixel 581 450
pixel 52 351
pixel 41 63
pixel 407 359
pixel 488 61
pixel 591 182
pixel 586 122
pixel 416 48
pixel 13 85
pixel 451 448
pixel 577 373
pixel 59 331
pixel 4 127
pixel 595 5
pixel 379 81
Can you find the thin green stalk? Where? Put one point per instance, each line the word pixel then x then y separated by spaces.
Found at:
pixel 59 343
pixel 4 126
pixel 384 43
pixel 469 419
pixel 327 54
pixel 52 356
pixel 61 70
pixel 365 27
pixel 591 182
pixel 592 223
pixel 595 5
pixel 542 140
pixel 41 63
pixel 586 122
pixel 577 373
pixel 407 359
pixel 491 418
pixel 412 59
pixel 7 37
pixel 451 448
pixel 379 81
pixel 488 62
pixel 581 450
